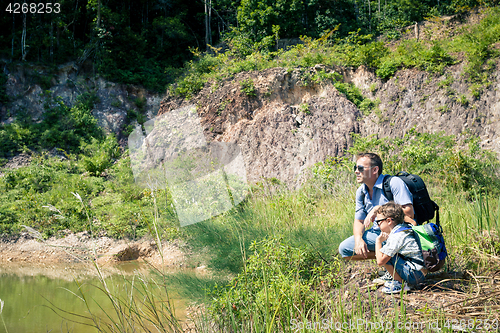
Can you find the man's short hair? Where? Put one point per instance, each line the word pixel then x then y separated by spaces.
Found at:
pixel 375 160
pixel 392 210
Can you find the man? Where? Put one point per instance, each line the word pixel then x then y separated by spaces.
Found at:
pixel 369 196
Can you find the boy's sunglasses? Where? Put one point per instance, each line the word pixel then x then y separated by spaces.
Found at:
pixel 360 168
pixel 377 222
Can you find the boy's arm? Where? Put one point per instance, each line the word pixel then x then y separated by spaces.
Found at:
pixel 382 258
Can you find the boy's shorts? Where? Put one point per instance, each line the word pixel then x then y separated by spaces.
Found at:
pixel 406 271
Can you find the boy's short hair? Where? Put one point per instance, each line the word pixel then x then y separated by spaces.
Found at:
pixel 374 159
pixel 392 210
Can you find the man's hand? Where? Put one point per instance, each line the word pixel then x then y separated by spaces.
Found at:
pixel 370 217
pixel 361 248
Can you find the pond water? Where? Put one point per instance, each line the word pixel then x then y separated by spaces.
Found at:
pixel 45 298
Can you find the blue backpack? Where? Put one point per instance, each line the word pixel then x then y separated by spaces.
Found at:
pixel 430 240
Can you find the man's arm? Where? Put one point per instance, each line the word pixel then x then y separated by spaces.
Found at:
pixel 409 214
pixel 402 196
pixel 360 247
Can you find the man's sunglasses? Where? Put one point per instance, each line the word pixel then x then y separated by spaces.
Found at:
pixel 377 222
pixel 360 168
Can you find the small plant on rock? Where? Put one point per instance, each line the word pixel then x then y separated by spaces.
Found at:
pixel 248 87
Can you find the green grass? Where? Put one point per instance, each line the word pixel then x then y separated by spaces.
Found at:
pixel 282 244
pixel 39 196
pixel 285 284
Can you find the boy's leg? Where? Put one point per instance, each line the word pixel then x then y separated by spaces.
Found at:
pixel 405 271
pixel 393 272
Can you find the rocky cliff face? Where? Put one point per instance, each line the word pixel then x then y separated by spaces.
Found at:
pixel 286 127
pixel 284 123
pixel 431 104
pixel 290 123
pixel 26 84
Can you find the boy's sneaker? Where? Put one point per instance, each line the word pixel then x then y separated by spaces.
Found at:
pixel 394 287
pixel 383 279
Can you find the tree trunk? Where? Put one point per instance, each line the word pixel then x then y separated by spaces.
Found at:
pixel 23 39
pixel 369 16
pixel 356 10
pixel 74 27
pixel 51 36
pixel 210 22
pixel 98 14
pixel 208 33
pixel 13 35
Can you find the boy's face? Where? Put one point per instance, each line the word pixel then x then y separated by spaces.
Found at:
pixel 385 223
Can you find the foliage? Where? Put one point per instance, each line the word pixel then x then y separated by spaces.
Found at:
pixel 478 44
pixel 411 53
pixel 353 49
pixel 276 285
pixel 147 43
pixel 248 87
pixel 60 127
pixel 39 196
pixel 98 156
pixel 354 94
pixel 458 165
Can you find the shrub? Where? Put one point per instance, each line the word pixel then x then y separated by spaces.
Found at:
pixel 60 127
pixel 277 282
pixel 98 156
pixel 354 94
pixel 454 164
pixel 248 87
pixel 190 85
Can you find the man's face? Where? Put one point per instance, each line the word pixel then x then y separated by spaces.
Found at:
pixel 369 173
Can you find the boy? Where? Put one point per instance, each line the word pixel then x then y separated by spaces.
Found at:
pixel 401 255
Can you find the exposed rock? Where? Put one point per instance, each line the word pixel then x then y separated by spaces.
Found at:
pixel 18 161
pixel 288 126
pixel 293 123
pixel 26 85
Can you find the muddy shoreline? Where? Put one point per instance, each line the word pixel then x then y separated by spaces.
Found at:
pixel 82 247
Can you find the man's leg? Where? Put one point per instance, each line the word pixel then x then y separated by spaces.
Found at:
pixel 346 248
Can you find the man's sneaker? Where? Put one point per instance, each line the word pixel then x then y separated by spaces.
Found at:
pixel 383 279
pixel 394 287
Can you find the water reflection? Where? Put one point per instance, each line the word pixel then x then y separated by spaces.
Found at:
pixel 46 297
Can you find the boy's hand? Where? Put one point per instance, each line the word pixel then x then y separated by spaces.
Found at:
pixel 383 236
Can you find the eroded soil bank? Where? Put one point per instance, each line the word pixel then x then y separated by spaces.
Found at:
pixel 82 247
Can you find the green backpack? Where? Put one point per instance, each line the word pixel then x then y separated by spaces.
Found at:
pixel 431 242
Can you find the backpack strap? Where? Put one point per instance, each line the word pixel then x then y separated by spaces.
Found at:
pixel 406 226
pixel 436 209
pixel 386 186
